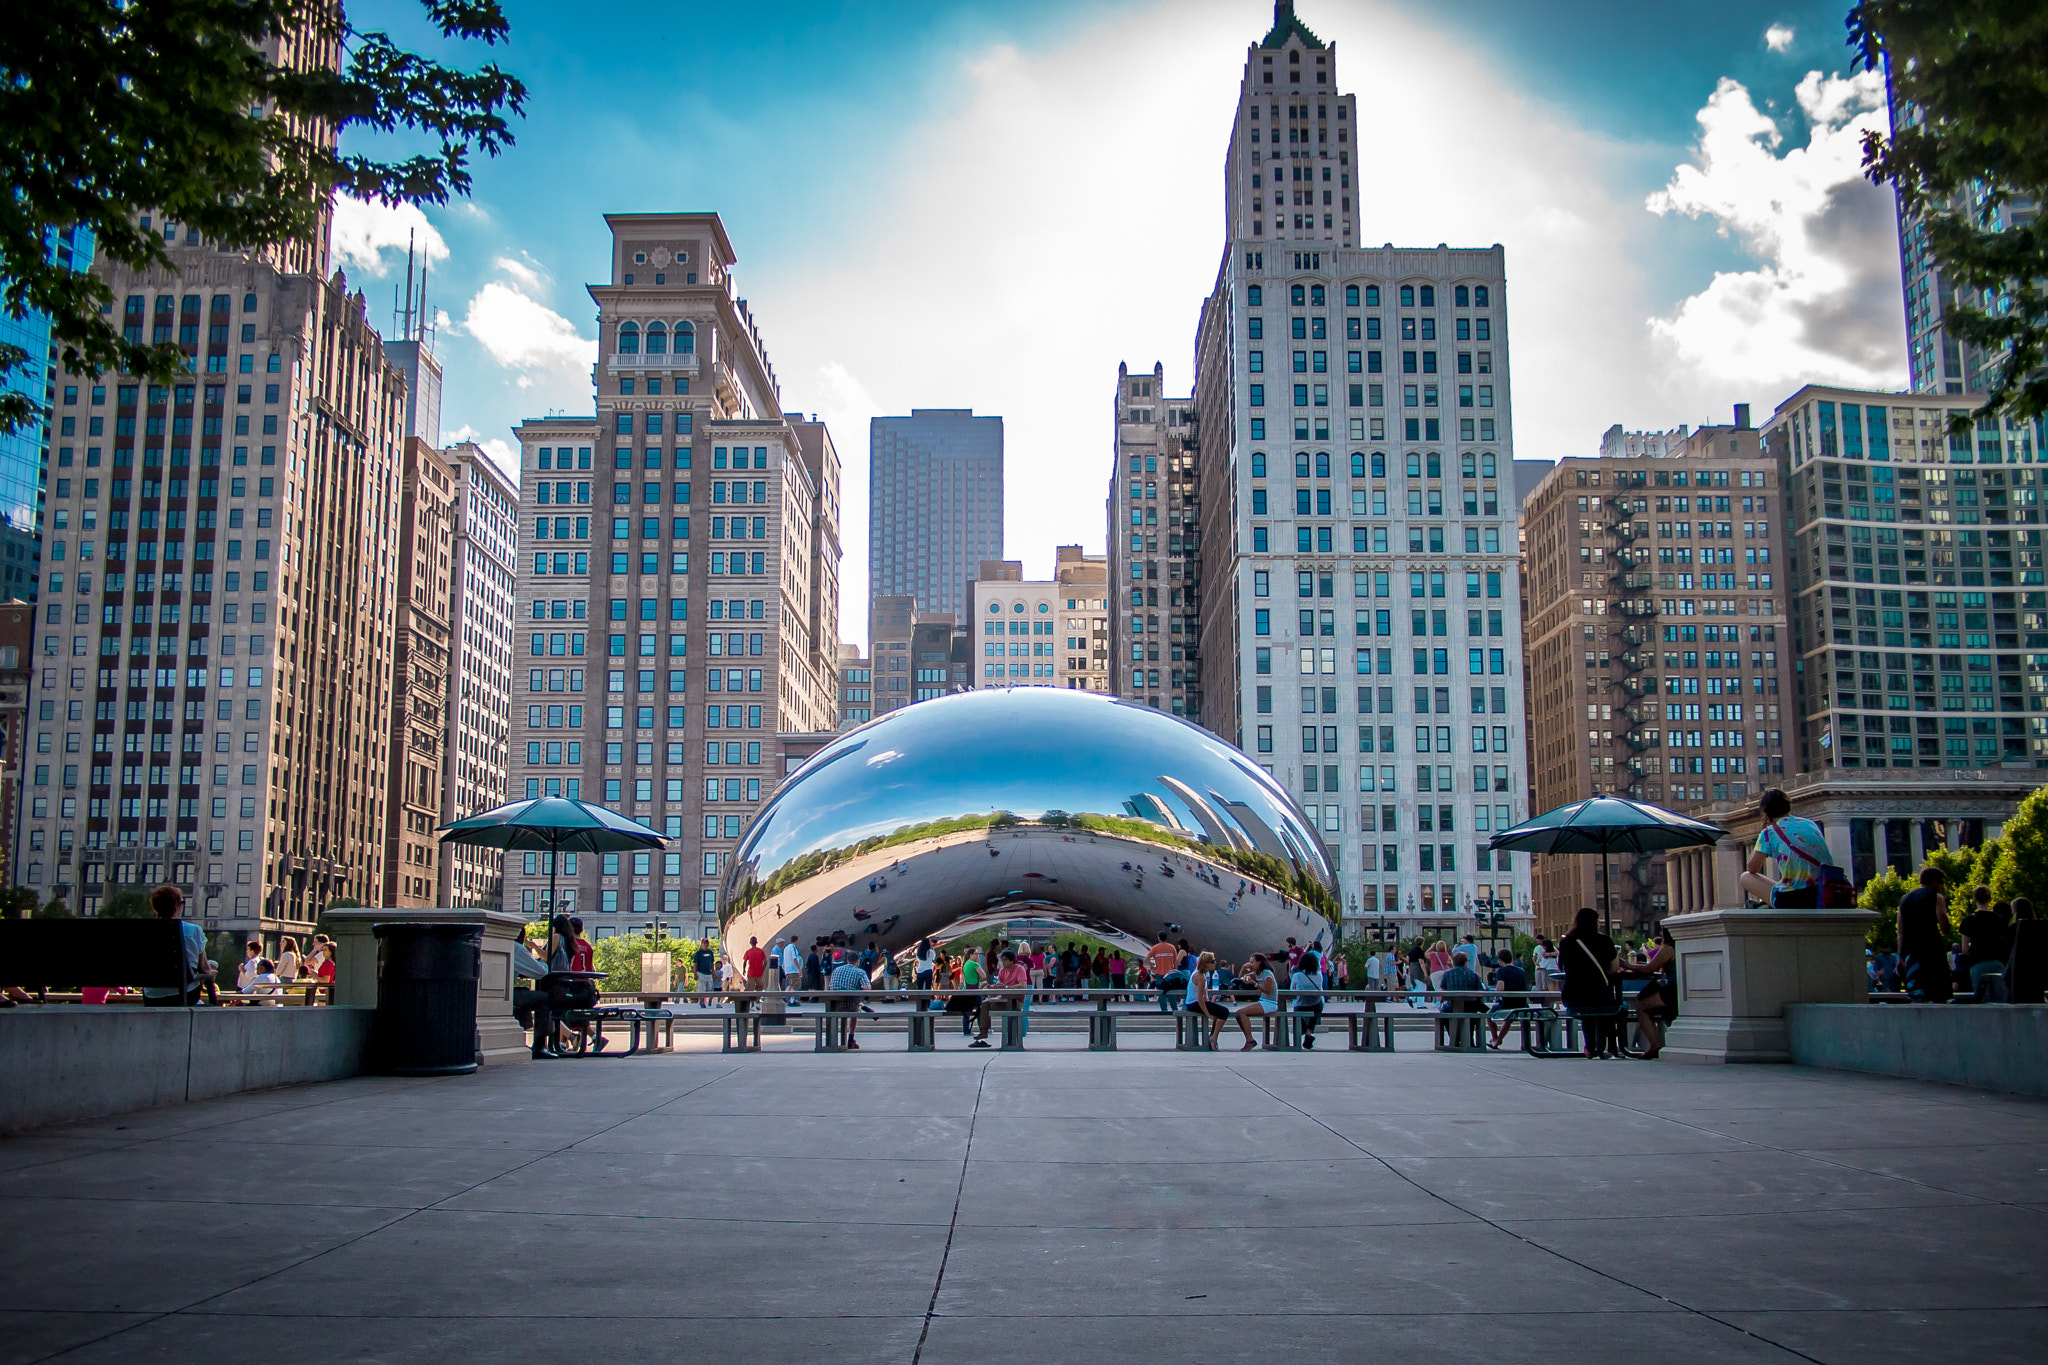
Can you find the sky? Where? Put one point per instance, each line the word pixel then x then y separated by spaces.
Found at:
pixel 960 203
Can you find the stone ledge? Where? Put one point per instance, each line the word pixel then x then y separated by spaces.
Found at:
pixel 59 1063
pixel 1987 1047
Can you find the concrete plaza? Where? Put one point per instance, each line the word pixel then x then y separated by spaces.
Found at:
pixel 1044 1206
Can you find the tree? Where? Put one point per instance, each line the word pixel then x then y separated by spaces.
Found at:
pixel 111 109
pixel 1969 88
pixel 129 904
pixel 2024 869
pixel 18 902
pixel 1883 893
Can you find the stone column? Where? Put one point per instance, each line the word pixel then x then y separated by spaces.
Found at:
pixel 355 968
pixel 1729 857
pixel 1738 969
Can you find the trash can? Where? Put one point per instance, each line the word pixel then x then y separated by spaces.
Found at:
pixel 426 998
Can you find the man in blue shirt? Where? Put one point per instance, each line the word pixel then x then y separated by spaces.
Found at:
pixel 169 903
pixel 847 976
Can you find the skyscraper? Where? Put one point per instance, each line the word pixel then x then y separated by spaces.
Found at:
pixel 485 559
pixel 1154 574
pixel 672 583
pixel 25 453
pixel 1918 612
pixel 1360 613
pixel 935 506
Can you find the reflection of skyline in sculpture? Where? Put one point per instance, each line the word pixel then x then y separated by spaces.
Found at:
pixel 1092 809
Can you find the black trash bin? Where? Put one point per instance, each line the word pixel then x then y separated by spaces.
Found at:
pixel 426 998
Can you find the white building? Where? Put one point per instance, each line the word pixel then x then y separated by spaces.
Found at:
pixel 1360 626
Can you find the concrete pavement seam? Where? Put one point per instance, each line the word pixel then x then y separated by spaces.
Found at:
pixel 1526 1241
pixel 952 1224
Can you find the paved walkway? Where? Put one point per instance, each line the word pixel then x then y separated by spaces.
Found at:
pixel 976 1207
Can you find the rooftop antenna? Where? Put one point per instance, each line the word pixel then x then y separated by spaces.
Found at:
pixel 406 328
pixel 427 327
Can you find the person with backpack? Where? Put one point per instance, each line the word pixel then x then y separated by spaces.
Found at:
pixel 1800 849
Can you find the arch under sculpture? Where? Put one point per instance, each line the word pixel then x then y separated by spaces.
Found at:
pixel 1031 802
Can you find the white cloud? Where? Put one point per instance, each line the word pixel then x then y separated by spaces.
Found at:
pixel 364 232
pixel 527 275
pixel 1778 37
pixel 500 450
pixel 1059 211
pixel 1823 303
pixel 524 334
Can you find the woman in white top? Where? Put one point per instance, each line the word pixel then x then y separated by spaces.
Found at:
pixel 288 959
pixel 1268 1002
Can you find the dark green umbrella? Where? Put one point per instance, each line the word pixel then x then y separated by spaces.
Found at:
pixel 1605 825
pixel 555 825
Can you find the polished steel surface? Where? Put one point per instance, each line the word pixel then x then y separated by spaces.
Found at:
pixel 1059 804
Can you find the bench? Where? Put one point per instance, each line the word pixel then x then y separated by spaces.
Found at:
pixel 94 952
pixel 636 1015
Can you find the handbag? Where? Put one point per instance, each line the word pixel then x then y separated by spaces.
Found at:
pixel 1837 892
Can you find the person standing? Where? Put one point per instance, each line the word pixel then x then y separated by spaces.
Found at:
pixel 927 961
pixel 1590 962
pixel 1923 947
pixel 755 963
pixel 288 959
pixel 706 964
pixel 847 977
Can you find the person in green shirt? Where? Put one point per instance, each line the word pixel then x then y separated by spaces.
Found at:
pixel 966 1002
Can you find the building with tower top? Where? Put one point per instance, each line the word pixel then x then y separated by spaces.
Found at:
pixel 1357 628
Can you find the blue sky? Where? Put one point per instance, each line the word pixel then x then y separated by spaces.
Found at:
pixel 971 204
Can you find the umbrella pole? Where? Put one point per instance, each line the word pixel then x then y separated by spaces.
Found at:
pixel 1607 888
pixel 554 869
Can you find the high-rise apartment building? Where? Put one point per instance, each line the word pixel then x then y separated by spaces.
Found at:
pixel 1937 360
pixel 482 577
pixel 25 453
pixel 1660 656
pixel 672 584
pixel 419 702
pixel 935 506
pixel 1360 623
pixel 1919 611
pixel 1155 610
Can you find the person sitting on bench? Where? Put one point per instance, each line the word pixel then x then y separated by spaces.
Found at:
pixel 1513 984
pixel 169 903
pixel 847 976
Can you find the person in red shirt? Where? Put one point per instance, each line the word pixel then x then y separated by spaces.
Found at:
pixel 583 958
pixel 754 964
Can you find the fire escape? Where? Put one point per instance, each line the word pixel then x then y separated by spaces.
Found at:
pixel 1630 581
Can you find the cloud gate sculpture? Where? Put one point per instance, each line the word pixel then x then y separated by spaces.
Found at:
pixel 1032 803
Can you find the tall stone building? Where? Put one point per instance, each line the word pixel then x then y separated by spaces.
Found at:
pixel 671 621
pixel 1360 612
pixel 226 558
pixel 419 702
pixel 1155 608
pixel 1920 616
pixel 1039 633
pixel 1661 665
pixel 935 506
pixel 484 566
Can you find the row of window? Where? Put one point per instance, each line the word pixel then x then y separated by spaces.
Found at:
pixel 1427 662
pixel 1373 362
pixel 1412 428
pixel 1373 540
pixel 1420 464
pixel 1314 296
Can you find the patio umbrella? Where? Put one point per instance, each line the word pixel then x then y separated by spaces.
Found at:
pixel 1606 825
pixel 555 825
